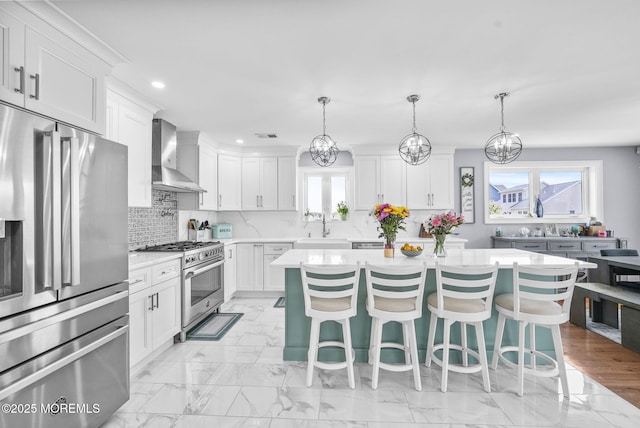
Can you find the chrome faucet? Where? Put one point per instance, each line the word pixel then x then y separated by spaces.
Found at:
pixel 325 231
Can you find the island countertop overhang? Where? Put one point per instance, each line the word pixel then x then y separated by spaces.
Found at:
pixel 468 257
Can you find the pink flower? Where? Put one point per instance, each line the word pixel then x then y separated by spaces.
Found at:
pixel 435 222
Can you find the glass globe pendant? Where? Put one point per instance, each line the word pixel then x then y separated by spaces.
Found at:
pixel 503 147
pixel 415 148
pixel 324 151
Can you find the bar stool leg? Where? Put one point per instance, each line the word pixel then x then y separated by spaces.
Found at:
pixel 312 354
pixel 532 342
pixel 376 354
pixel 463 337
pixel 445 355
pixel 522 325
pixel 413 347
pixel 348 352
pixel 498 343
pixel 372 340
pixel 482 351
pixel 557 345
pixel 405 342
pixel 431 339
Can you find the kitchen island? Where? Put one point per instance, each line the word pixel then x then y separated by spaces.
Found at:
pixel 297 325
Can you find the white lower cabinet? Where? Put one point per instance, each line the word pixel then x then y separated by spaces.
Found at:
pixel 230 279
pixel 249 266
pixel 273 278
pixel 154 308
pixel 254 271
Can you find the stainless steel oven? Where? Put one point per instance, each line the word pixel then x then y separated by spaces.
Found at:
pixel 202 279
pixel 203 287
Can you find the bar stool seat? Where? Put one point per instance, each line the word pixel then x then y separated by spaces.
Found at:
pixel 394 294
pixel 330 294
pixel 541 297
pixel 463 294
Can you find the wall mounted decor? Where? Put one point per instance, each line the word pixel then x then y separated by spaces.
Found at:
pixel 467 207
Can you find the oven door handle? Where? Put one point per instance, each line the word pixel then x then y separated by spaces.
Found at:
pixel 199 271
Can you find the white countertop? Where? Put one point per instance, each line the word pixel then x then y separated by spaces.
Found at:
pixel 504 256
pixel 230 241
pixel 139 259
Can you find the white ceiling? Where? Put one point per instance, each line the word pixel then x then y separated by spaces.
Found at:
pixel 233 68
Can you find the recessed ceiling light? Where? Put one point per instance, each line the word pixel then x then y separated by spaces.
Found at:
pixel 157 84
pixel 239 141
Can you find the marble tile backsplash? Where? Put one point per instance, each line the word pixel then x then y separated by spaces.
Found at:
pixel 155 225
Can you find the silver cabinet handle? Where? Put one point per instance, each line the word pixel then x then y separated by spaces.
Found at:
pixel 220 201
pixel 433 199
pixel 294 201
pixel 21 71
pixel 157 300
pixel 135 282
pixel 36 77
pixel 150 302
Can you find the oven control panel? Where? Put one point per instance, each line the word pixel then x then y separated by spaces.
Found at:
pixel 211 254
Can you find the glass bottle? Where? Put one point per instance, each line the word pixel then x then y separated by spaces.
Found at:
pixel 539 208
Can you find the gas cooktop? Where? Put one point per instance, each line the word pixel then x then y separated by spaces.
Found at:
pixel 180 246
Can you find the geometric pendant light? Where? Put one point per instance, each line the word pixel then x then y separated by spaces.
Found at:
pixel 414 149
pixel 323 150
pixel 503 147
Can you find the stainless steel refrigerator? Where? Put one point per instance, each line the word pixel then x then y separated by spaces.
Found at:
pixel 64 357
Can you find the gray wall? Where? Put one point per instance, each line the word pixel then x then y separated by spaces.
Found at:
pixel 621 190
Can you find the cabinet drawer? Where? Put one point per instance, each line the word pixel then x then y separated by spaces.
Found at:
pixel 565 246
pixel 139 279
pixel 280 248
pixel 163 271
pixel 532 246
pixel 597 245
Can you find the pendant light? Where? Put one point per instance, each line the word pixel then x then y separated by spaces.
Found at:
pixel 414 148
pixel 323 149
pixel 503 147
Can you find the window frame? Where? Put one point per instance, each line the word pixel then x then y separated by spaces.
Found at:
pixel 345 172
pixel 592 190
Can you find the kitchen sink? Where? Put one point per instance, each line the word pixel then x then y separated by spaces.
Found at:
pixel 322 243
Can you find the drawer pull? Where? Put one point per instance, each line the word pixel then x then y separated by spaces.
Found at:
pixel 136 281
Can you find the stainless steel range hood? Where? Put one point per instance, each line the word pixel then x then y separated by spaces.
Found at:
pixel 165 176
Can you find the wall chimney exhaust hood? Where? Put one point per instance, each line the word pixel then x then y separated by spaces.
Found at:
pixel 165 176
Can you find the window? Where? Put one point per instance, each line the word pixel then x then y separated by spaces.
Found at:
pixel 570 192
pixel 322 193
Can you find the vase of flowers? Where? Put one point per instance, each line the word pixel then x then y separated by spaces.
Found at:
pixel 441 225
pixel 390 219
pixel 343 210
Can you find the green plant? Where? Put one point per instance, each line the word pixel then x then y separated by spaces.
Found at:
pixel 343 209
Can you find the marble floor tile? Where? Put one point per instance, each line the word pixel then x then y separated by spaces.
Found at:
pixel 456 408
pixel 276 402
pixel 547 410
pixel 365 405
pixel 242 381
pixel 202 421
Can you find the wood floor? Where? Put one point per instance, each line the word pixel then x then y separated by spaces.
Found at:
pixel 603 360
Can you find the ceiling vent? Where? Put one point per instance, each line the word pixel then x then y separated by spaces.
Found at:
pixel 270 135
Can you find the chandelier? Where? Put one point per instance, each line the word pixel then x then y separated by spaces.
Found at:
pixel 503 147
pixel 323 149
pixel 414 148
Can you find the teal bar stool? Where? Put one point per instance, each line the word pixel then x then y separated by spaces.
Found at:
pixel 395 293
pixel 463 294
pixel 541 297
pixel 330 294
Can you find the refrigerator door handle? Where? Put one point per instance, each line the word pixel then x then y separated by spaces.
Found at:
pixel 56 211
pixel 71 212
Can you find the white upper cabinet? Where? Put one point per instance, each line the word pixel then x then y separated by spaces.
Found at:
pixel 287 198
pixel 12 72
pixel 430 185
pixel 129 122
pixel 229 183
pixel 48 73
pixel 199 161
pixel 260 183
pixel 379 179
